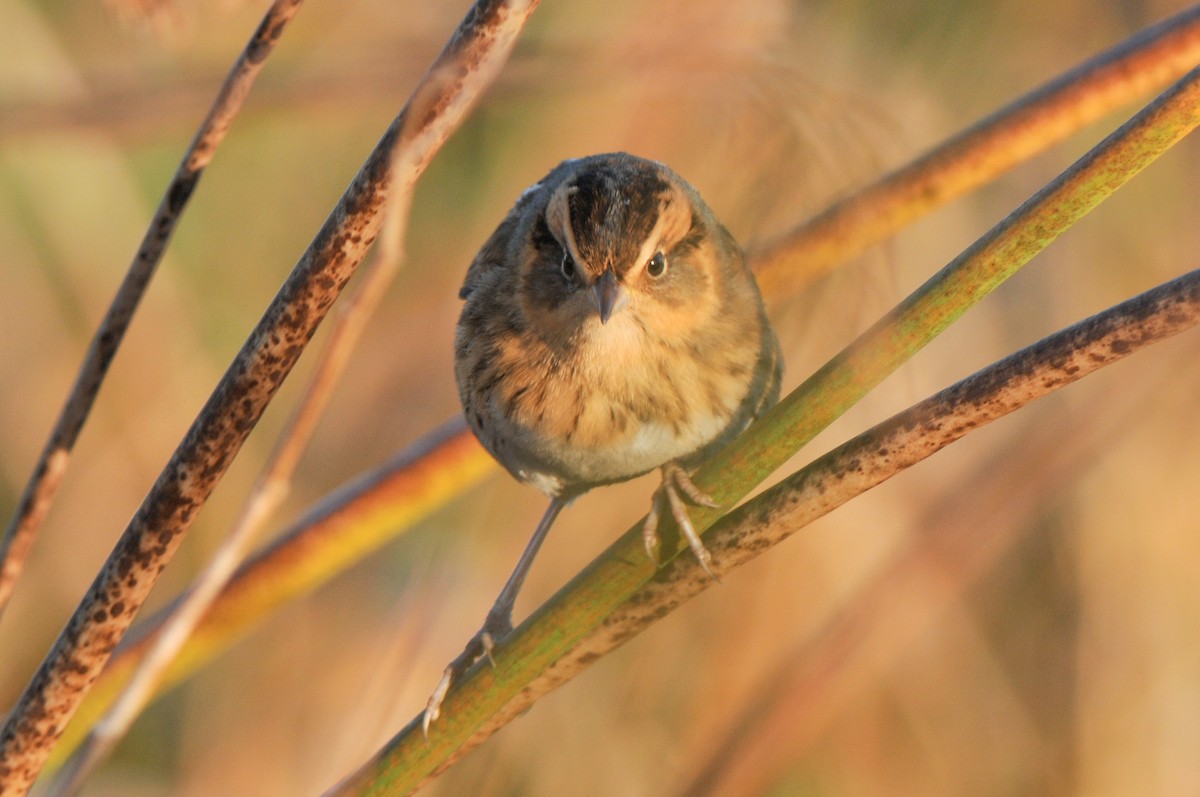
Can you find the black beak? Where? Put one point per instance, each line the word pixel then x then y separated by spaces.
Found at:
pixel 608 295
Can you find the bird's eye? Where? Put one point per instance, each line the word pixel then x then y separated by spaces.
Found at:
pixel 568 267
pixel 657 265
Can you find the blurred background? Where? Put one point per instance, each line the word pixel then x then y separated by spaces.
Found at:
pixel 1062 658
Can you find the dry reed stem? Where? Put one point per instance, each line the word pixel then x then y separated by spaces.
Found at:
pixel 268 492
pixel 1096 87
pixel 867 461
pixel 982 515
pixel 1015 133
pixel 469 61
pixel 52 463
pixel 346 526
pixel 585 608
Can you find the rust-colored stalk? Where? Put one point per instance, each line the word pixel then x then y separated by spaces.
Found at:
pixel 475 51
pixel 52 463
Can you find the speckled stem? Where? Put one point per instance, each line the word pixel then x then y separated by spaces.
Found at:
pixel 872 458
pixel 52 464
pixel 588 602
pixel 471 59
pixel 342 533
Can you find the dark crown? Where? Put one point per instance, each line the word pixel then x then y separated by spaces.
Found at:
pixel 613 207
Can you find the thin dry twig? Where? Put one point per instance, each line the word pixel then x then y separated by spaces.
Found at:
pixel 867 461
pixel 473 56
pixel 52 463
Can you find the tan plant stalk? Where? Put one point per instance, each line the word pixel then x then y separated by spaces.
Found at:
pixel 378 505
pixel 56 455
pixel 858 465
pixel 981 517
pixel 465 67
pixel 1011 135
pixel 268 492
pixel 613 580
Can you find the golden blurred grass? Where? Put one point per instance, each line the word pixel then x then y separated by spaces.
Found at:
pixel 1068 666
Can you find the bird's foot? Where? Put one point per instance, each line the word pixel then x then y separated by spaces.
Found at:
pixel 675 480
pixel 495 629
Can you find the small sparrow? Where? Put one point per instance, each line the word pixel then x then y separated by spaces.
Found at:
pixel 611 327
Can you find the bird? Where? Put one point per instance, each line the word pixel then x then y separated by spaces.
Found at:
pixel 610 327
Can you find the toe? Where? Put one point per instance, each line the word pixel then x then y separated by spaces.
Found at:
pixel 650 530
pixel 433 706
pixel 679 512
pixel 495 628
pixel 673 474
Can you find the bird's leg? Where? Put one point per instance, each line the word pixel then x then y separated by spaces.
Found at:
pixel 498 623
pixel 674 481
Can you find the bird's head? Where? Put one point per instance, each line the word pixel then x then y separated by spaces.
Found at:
pixel 621 242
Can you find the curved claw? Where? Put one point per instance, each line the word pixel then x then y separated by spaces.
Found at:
pixel 489 644
pixel 650 529
pixel 676 480
pixel 498 623
pixel 679 512
pixel 433 706
pixel 495 628
pixel 676 474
